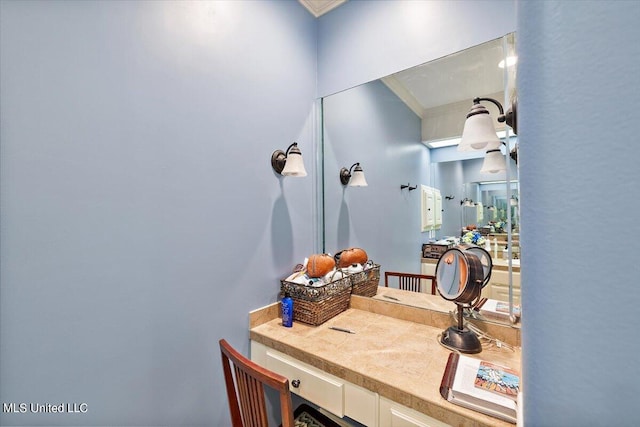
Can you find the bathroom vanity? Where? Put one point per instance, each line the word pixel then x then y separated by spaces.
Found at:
pixel 387 372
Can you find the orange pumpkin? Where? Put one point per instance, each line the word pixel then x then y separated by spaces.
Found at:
pixel 351 256
pixel 320 264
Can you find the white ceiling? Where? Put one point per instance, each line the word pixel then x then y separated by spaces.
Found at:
pixel 459 77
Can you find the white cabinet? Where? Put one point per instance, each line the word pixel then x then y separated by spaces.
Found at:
pixel 428 208
pixel 337 396
pixel 498 286
pixel 438 209
pixel 395 415
pixel 431 208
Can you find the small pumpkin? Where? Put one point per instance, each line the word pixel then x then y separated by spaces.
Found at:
pixel 320 264
pixel 351 256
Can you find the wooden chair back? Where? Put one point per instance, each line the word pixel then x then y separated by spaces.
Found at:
pixel 410 281
pixel 245 381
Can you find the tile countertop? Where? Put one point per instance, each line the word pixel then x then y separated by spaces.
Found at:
pixel 399 359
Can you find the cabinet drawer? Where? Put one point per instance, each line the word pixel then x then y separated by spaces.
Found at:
pixel 312 384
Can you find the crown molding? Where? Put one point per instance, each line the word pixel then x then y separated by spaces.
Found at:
pixel 320 7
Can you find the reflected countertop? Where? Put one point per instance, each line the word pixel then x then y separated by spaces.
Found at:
pixel 498 263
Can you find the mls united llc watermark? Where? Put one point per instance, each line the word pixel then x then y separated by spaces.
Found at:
pixel 45 408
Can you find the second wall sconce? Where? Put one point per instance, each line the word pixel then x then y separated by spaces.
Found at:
pixel 288 163
pixel 355 179
pixel 493 161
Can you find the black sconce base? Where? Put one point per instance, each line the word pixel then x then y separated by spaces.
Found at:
pixel 278 160
pixel 345 176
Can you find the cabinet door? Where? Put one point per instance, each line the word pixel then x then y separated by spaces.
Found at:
pixel 395 415
pixel 428 208
pixel 428 268
pixel 501 293
pixel 361 404
pixel 498 287
pixel 438 209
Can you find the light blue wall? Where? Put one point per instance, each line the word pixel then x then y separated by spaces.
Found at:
pixel 450 177
pixel 578 130
pixel 371 125
pixel 364 40
pixel 141 219
pixel 578 92
pixel 127 249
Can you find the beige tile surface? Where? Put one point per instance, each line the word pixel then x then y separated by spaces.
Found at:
pixel 399 359
pixel 429 310
pixel 498 264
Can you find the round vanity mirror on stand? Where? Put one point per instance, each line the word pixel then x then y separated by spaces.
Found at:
pixel 461 274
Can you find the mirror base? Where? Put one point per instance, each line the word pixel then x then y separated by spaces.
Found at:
pixel 462 340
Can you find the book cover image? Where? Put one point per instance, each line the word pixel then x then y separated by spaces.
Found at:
pixel 498 379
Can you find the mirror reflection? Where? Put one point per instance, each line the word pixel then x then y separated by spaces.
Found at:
pixel 402 130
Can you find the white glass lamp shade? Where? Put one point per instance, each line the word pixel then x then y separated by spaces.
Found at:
pixel 294 165
pixel 357 178
pixel 478 130
pixel 493 162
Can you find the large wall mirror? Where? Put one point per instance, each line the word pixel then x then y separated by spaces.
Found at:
pixel 402 130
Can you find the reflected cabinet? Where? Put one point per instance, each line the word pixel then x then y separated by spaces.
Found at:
pixel 498 286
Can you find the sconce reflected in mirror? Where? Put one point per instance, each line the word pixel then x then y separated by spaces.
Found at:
pixel 288 163
pixel 466 202
pixel 514 200
pixel 355 179
pixel 449 197
pixel 479 132
pixel 493 161
pixel 514 153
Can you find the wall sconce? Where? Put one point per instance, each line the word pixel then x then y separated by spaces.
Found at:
pixel 288 163
pixel 479 132
pixel 354 180
pixel 493 161
pixel 402 187
pixel 514 153
pixel 468 203
pixel 514 200
pixel 449 197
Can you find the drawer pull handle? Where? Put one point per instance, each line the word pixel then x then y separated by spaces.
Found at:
pixel 295 383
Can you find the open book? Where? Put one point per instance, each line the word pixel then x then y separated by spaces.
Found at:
pixel 459 386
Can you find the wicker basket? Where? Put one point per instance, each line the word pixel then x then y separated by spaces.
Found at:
pixel 366 282
pixel 316 305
